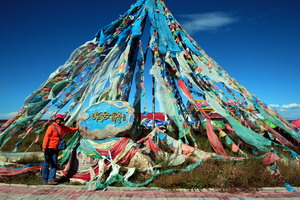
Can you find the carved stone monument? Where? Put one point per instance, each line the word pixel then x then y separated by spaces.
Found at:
pixel 106 119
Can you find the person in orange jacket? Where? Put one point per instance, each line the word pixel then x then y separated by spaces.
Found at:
pixel 53 135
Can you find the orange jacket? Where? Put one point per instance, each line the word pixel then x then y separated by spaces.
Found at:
pixel 51 139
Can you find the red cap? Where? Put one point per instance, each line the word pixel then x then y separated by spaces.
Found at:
pixel 59 116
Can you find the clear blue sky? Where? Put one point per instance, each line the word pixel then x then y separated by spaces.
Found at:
pixel 256 41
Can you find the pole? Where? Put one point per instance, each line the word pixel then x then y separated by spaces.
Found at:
pixel 153 102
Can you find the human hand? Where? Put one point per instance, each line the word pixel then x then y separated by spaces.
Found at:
pixel 43 150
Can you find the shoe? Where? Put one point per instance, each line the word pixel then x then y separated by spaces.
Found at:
pixel 44 183
pixel 52 183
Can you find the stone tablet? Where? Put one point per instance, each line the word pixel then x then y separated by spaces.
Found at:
pixel 106 119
